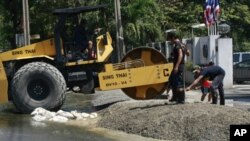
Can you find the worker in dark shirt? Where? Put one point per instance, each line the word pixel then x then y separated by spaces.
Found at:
pixel 80 36
pixel 216 74
pixel 176 77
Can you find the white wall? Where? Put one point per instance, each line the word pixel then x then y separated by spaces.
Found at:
pixel 204 41
pixel 225 59
pixel 195 51
pixel 220 51
pixel 213 54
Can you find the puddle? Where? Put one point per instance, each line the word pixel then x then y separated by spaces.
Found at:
pixel 19 127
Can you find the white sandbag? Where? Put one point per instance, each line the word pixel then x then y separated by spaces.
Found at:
pixel 93 115
pixel 65 114
pixel 59 119
pixel 85 115
pixel 39 118
pixel 43 112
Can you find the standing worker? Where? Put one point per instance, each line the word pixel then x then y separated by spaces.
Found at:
pixel 176 77
pixel 216 74
pixel 80 36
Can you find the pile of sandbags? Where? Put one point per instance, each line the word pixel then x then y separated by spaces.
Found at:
pixel 41 114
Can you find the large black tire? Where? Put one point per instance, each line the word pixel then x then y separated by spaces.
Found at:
pixel 38 84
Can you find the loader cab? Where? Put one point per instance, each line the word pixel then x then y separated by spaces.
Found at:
pixel 65 28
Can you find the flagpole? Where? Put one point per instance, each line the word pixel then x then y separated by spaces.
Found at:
pixel 212 30
pixel 207 30
pixel 215 28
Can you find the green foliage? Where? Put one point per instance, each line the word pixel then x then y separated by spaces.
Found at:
pixel 143 20
pixel 189 65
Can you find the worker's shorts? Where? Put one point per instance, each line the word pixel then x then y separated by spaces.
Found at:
pixel 176 80
pixel 217 81
pixel 205 90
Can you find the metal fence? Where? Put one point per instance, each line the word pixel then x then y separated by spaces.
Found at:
pixel 164 47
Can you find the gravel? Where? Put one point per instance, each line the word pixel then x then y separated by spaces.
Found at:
pixel 106 98
pixel 160 119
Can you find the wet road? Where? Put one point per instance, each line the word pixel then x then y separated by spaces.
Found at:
pixel 18 127
pixel 239 96
pixel 15 127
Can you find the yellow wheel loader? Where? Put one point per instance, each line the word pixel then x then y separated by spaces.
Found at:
pixel 38 75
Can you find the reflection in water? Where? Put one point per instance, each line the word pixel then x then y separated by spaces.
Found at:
pixel 18 127
pixel 15 127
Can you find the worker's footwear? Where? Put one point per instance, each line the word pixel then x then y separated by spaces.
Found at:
pixel 174 98
pixel 214 96
pixel 181 97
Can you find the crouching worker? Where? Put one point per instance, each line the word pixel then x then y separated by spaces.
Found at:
pixel 205 86
pixel 216 74
pixel 205 89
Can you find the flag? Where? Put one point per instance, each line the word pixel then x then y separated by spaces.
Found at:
pixel 211 11
pixel 216 9
pixel 208 17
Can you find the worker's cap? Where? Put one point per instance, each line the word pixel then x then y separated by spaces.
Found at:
pixel 196 68
pixel 211 63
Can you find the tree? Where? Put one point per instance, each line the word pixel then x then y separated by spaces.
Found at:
pixel 236 13
pixel 11 22
pixel 143 20
pixel 41 18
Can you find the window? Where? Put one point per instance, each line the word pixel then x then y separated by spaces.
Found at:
pixel 245 56
pixel 236 57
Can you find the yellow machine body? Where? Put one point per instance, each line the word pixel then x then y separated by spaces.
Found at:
pixel 142 74
pixel 133 77
pixel 3 84
pixel 46 49
pixel 103 53
pixel 42 49
pixel 38 50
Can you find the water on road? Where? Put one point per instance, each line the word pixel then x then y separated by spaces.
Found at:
pixel 19 127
